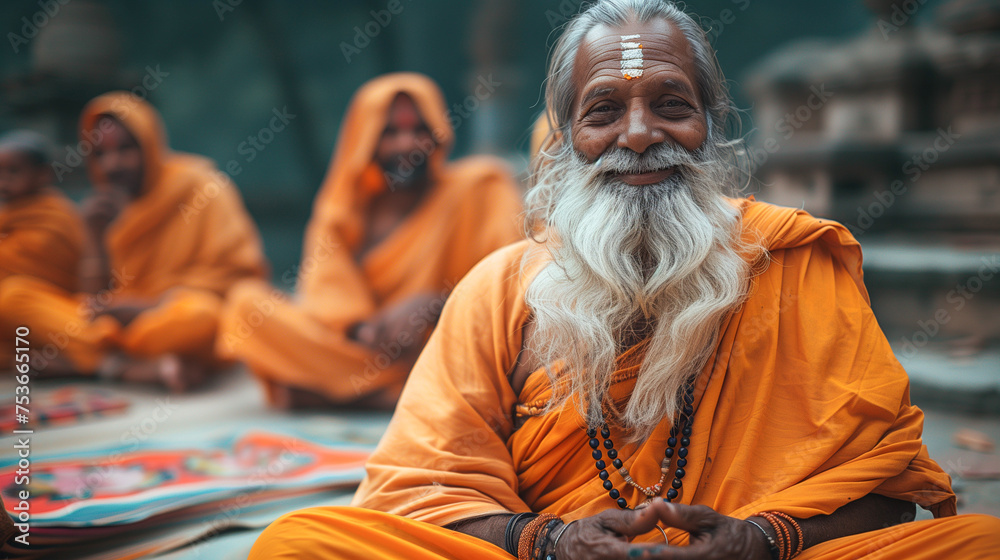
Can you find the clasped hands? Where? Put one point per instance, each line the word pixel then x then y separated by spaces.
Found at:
pixel 606 536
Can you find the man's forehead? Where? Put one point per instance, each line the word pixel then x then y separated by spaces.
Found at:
pixel 403 112
pixel 114 132
pixel 607 50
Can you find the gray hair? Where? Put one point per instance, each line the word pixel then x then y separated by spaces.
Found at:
pixel 30 143
pixel 560 92
pixel 670 257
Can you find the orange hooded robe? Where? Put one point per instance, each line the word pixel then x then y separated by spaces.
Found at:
pixel 183 243
pixel 802 408
pixel 472 208
pixel 40 236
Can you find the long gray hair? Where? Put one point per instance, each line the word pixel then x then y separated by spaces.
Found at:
pixel 670 256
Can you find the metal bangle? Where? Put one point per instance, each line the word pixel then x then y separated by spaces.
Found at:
pixel 772 546
pixel 664 533
pixel 562 531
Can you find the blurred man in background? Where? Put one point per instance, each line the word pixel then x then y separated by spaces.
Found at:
pixel 393 229
pixel 41 233
pixel 167 236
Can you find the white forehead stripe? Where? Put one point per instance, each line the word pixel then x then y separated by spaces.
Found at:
pixel 631 56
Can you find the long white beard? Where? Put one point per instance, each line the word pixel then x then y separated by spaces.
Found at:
pixel 667 256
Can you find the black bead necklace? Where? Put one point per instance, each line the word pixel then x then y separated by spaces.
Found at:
pixel 682 427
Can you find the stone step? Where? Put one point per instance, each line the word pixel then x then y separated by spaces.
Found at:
pixel 886 255
pixel 943 382
pixel 944 291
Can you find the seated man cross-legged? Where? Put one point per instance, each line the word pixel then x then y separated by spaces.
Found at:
pixel 394 228
pixel 166 237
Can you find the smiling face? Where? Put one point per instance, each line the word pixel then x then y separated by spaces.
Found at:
pixel 118 156
pixel 613 109
pixel 405 145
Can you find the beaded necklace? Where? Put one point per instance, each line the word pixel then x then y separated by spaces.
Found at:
pixel 682 428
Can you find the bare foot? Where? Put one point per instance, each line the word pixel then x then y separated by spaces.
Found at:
pixel 169 370
pixel 285 397
pixel 382 400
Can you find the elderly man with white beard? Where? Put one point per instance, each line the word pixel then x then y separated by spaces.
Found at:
pixel 664 370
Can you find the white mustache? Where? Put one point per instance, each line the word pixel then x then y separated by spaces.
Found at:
pixel 623 161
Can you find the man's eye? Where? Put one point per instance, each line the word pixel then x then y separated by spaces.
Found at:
pixel 676 108
pixel 602 109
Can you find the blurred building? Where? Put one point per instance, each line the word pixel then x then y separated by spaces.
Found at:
pixel 75 55
pixel 896 134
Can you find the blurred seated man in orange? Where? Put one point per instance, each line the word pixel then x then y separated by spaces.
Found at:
pixel 393 229
pixel 664 362
pixel 167 236
pixel 41 233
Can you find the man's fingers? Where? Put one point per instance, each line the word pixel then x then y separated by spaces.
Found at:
pixel 692 519
pixel 629 522
pixel 367 334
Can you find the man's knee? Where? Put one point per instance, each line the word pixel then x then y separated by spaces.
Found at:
pixel 244 298
pixel 14 290
pixel 19 299
pixel 981 532
pixel 299 534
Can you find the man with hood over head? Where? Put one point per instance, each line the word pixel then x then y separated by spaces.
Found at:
pixel 393 229
pixel 167 236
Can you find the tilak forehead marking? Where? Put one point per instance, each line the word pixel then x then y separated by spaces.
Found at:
pixel 631 57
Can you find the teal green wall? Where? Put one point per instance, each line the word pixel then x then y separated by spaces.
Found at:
pixel 224 80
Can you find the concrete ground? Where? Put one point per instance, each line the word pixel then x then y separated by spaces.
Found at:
pixel 974 495
pixel 235 402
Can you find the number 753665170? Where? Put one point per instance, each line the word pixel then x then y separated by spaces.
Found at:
pixel 22 363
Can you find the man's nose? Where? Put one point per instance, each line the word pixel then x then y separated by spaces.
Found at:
pixel 409 141
pixel 110 161
pixel 639 131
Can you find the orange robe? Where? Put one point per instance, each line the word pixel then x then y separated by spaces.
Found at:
pixel 472 208
pixel 182 243
pixel 40 236
pixel 801 408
